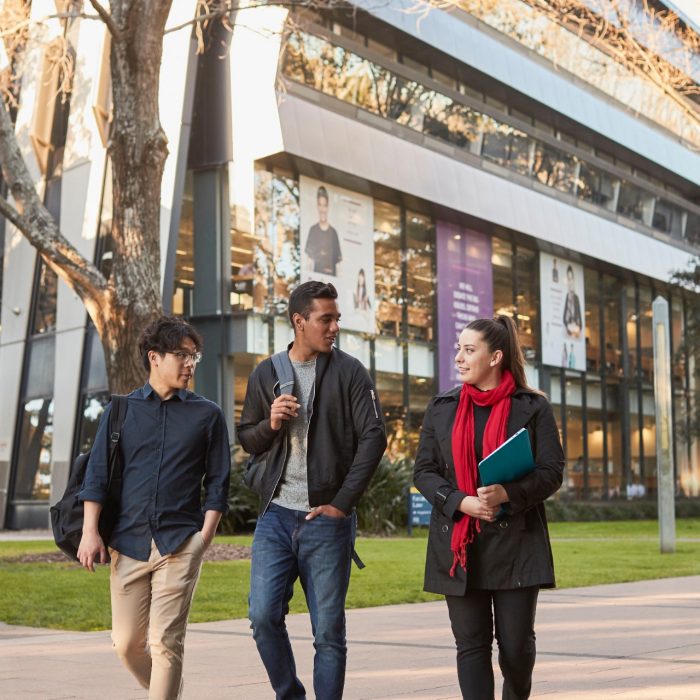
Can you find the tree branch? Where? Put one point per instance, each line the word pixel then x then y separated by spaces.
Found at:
pixel 32 218
pixel 117 34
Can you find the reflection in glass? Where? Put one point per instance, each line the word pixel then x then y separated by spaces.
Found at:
pixel 668 218
pixel 265 264
pixel 183 290
pixel 44 320
pixel 91 411
pixel 592 320
pixel 420 242
pixel 646 360
pixel 527 293
pixel 387 268
pixel 502 265
pixel 33 471
pixel 631 329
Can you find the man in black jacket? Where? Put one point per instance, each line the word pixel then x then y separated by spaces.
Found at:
pixel 323 446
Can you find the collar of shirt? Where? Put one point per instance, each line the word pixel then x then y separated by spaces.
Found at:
pixel 147 390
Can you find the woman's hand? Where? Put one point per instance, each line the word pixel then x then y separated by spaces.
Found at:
pixel 492 496
pixel 472 505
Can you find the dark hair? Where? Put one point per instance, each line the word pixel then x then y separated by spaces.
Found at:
pixel 302 298
pixel 501 333
pixel 322 193
pixel 166 334
pixel 569 271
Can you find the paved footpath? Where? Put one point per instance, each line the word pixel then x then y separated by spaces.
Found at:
pixel 637 641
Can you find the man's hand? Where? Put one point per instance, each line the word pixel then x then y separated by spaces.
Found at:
pixel 91 550
pixel 328 510
pixel 284 407
pixel 211 522
pixel 492 496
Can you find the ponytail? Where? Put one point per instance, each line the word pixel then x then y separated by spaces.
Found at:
pixel 501 333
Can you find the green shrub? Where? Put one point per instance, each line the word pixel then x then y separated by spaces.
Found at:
pixel 384 506
pixel 242 502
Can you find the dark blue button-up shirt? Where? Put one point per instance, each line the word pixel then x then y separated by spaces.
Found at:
pixel 167 449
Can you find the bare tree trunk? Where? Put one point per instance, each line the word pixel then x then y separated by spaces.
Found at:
pixel 138 151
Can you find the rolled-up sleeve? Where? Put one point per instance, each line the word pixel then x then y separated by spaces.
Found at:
pixel 97 473
pixel 218 466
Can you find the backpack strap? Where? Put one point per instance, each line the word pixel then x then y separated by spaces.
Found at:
pixel 285 371
pixel 116 421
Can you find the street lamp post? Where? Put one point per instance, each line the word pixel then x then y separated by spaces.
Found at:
pixel 665 480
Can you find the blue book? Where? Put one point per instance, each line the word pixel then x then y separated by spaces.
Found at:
pixel 509 462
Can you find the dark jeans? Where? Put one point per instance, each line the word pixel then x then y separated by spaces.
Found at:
pixel 473 625
pixel 319 553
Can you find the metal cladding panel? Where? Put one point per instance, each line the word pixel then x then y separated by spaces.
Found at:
pixel 410 168
pixel 523 71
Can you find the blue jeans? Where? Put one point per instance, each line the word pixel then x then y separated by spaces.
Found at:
pixel 319 553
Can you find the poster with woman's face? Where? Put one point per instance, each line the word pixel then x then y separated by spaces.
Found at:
pixel 563 313
pixel 337 246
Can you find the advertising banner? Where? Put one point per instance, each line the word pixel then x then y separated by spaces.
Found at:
pixel 563 307
pixel 337 246
pixel 465 290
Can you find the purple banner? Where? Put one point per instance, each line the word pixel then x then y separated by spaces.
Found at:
pixel 465 290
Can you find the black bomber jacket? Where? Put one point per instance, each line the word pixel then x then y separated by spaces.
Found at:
pixel 346 436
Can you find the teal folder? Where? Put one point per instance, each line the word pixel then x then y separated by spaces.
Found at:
pixel 509 462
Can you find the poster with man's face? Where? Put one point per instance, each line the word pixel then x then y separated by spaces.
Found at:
pixel 563 313
pixel 337 246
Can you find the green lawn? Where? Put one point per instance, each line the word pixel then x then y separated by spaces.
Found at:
pixel 66 597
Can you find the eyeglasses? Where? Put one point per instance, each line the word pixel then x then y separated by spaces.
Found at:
pixel 182 357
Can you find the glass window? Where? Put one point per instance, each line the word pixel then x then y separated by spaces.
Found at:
pixel 505 145
pixel 92 407
pixel 635 203
pixel 613 343
pixel 631 329
pixel 574 427
pixel 677 330
pixel 649 443
pixel 554 168
pixel 594 437
pixel 614 436
pixel 33 472
pixel 526 296
pixel 592 321
pixel 646 335
pixel 265 264
pixel 44 320
pixel 668 218
pixel 183 290
pixel 692 228
pixel 420 242
pixel 596 186
pixel 387 268
pixel 502 264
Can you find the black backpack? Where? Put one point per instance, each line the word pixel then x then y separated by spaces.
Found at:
pixel 67 514
pixel 256 465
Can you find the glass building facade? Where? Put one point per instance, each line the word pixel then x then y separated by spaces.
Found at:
pixel 435 174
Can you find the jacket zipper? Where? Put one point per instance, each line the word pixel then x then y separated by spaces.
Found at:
pixel 374 403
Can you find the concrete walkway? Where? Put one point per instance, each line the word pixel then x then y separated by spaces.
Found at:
pixel 637 641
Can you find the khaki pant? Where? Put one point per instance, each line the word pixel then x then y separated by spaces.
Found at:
pixel 150 604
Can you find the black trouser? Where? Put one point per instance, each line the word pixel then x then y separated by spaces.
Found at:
pixel 473 624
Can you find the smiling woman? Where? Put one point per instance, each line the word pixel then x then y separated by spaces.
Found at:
pixel 488 546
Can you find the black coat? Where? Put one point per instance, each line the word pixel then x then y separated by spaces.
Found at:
pixel 346 437
pixel 513 552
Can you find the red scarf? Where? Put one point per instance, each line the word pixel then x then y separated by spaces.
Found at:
pixel 465 457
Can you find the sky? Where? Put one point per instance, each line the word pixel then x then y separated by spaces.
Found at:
pixel 687 10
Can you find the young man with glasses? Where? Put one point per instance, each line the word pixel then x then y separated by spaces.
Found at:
pixel 323 445
pixel 172 442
